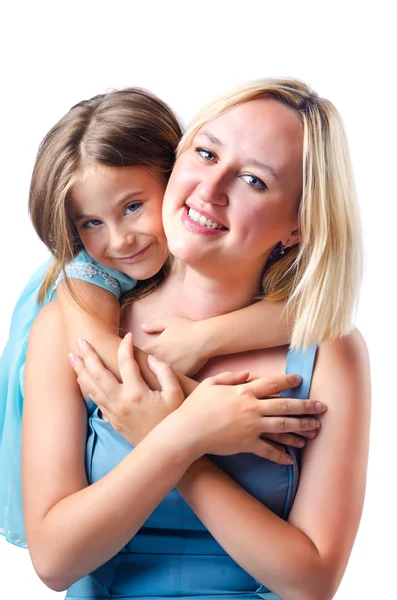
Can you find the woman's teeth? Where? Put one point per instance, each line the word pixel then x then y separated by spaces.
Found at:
pixel 199 218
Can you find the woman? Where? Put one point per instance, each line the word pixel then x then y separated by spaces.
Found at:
pixel 268 163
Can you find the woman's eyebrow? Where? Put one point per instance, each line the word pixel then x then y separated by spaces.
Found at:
pixel 256 163
pixel 212 138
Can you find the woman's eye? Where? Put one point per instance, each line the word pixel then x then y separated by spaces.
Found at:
pixel 133 207
pixel 91 224
pixel 253 181
pixel 206 154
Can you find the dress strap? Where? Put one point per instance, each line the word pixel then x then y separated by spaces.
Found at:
pixel 302 363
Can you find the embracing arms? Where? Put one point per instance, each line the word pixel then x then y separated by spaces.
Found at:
pixel 306 557
pixel 186 345
pixel 72 527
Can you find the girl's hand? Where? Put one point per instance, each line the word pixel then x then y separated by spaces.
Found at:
pixel 132 407
pixel 227 419
pixel 182 343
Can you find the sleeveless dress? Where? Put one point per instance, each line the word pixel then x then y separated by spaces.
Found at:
pixel 173 555
pixel 12 365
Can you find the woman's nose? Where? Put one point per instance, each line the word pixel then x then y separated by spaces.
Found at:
pixel 213 190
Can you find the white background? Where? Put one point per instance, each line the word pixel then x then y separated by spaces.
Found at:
pixel 54 55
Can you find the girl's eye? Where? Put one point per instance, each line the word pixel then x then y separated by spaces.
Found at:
pixel 133 207
pixel 91 224
pixel 253 181
pixel 206 154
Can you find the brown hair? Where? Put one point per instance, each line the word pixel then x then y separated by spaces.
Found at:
pixel 122 128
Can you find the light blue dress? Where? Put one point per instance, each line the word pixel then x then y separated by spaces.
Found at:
pixel 12 364
pixel 173 555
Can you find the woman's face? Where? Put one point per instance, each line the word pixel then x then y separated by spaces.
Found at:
pixel 234 192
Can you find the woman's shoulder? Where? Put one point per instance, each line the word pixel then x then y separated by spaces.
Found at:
pixel 346 350
pixel 342 365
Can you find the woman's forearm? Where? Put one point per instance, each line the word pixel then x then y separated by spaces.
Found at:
pixel 87 528
pixel 276 553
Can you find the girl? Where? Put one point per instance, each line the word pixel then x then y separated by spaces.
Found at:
pixel 95 201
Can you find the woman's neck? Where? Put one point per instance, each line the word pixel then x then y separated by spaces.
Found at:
pixel 199 296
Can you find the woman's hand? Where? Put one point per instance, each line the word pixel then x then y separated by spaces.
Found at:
pixel 132 407
pixel 228 419
pixel 182 343
pixel 224 415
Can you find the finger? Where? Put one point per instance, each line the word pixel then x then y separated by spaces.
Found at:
pixel 281 424
pixel 287 439
pixel 267 386
pixel 167 378
pixel 267 450
pixel 291 406
pixel 229 378
pixel 85 382
pixel 95 371
pixel 155 325
pixel 129 369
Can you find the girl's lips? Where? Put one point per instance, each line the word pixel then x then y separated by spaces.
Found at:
pixel 196 227
pixel 134 257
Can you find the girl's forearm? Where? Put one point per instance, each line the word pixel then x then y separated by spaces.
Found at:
pixel 276 553
pixel 187 384
pixel 260 325
pixel 84 530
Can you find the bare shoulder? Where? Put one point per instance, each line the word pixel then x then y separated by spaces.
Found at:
pixel 343 363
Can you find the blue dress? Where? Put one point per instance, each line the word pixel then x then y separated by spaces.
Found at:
pixel 173 554
pixel 12 364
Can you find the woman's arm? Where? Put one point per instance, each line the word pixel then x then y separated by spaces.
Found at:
pixel 73 528
pixel 187 345
pixel 304 558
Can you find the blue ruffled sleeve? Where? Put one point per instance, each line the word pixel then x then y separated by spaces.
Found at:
pixel 87 269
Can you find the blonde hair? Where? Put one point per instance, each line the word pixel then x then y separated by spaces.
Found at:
pixel 122 128
pixel 320 277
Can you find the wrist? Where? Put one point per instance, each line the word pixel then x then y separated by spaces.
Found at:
pixel 179 438
pixel 206 339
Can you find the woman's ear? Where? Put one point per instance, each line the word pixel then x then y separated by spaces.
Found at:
pixel 293 239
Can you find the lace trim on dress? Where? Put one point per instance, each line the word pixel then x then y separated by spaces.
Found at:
pixel 90 270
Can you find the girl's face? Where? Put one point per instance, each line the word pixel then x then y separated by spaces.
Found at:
pixel 234 192
pixel 117 214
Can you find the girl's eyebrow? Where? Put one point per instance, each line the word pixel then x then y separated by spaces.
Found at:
pixel 127 196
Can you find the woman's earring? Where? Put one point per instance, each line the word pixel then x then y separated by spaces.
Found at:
pixel 283 247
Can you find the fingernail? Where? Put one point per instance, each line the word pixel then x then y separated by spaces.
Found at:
pixel 72 358
pixel 314 424
pixel 152 357
pixel 300 443
pixel 81 343
pixel 319 406
pixel 298 379
pixel 289 461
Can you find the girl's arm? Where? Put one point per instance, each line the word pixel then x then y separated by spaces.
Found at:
pixel 188 345
pixel 73 528
pixel 304 558
pixel 97 321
